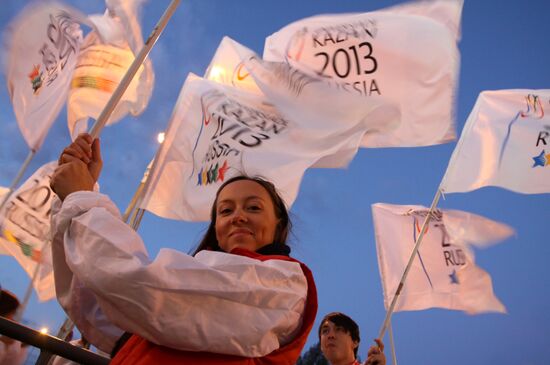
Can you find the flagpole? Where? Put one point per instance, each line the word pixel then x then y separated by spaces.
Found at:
pixel 137 195
pixel 137 215
pixel 130 73
pixel 27 296
pixel 136 220
pixel 133 202
pixel 18 177
pixel 409 264
pixel 392 345
pixel 65 329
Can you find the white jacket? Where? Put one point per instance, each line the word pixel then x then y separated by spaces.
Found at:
pixel 214 302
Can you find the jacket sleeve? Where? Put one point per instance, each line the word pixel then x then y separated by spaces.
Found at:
pixel 213 302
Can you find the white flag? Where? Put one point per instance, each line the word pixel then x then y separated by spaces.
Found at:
pixel 44 42
pixel 407 54
pixel 443 274
pixel 217 132
pixel 3 192
pixel 25 229
pixel 505 142
pixel 297 95
pixel 106 55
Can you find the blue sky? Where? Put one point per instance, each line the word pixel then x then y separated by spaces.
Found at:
pixel 504 45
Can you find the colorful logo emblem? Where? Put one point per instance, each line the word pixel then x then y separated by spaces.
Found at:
pixel 26 248
pixel 212 175
pixel 533 110
pixel 36 79
pixel 542 160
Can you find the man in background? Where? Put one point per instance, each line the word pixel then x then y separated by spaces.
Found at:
pixel 339 338
pixel 12 352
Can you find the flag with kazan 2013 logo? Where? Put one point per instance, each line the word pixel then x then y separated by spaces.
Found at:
pixel 407 54
pixel 299 96
pixel 505 142
pixel 218 131
pixel 25 229
pixel 444 273
pixel 43 44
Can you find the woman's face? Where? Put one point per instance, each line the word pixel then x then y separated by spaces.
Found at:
pixel 245 216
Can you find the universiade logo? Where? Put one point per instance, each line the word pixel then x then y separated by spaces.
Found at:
pixel 343 55
pixel 542 160
pixel 26 248
pixel 61 44
pixel 36 78
pixel 213 174
pixel 533 110
pixel 228 129
pixel 453 255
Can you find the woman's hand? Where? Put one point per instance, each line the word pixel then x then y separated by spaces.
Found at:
pixel 376 356
pixel 79 167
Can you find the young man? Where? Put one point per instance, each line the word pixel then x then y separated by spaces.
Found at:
pixel 339 338
pixel 11 351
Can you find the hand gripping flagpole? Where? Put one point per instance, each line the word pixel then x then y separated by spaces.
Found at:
pixel 125 82
pixel 409 264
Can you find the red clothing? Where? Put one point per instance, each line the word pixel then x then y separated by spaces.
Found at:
pixel 138 351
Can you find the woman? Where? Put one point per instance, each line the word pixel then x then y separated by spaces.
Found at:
pixel 239 300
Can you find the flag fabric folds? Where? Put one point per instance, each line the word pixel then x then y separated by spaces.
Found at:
pixel 299 96
pixel 3 192
pixel 407 54
pixel 105 56
pixel 40 60
pixel 218 131
pixel 505 142
pixel 25 229
pixel 444 274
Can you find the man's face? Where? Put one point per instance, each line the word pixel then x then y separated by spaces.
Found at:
pixel 336 343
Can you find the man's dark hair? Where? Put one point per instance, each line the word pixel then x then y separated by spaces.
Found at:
pixel 210 242
pixel 8 303
pixel 341 320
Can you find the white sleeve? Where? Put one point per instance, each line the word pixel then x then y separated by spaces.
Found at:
pixel 213 302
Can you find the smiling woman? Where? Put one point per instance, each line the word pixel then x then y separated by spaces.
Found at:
pixel 248 213
pixel 240 299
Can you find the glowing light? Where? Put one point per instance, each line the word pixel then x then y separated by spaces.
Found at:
pixel 44 330
pixel 160 137
pixel 216 73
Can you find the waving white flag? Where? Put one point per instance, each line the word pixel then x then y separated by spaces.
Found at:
pixel 3 192
pixel 407 54
pixel 444 274
pixel 105 56
pixel 505 142
pixel 43 45
pixel 217 132
pixel 25 229
pixel 300 96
